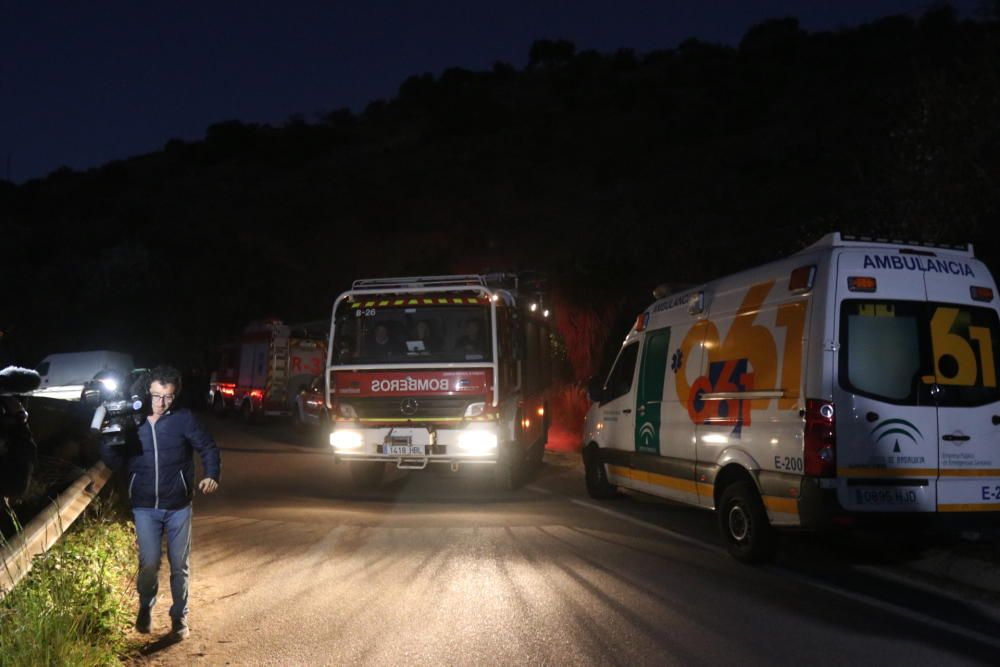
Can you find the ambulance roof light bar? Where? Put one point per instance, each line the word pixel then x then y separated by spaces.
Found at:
pixel 419 281
pixel 919 244
pixel 836 239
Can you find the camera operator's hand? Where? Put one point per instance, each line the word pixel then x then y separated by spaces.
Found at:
pixel 208 485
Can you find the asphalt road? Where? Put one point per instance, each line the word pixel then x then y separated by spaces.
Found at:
pixel 291 566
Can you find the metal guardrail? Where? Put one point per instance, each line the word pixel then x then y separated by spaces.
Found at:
pixel 48 526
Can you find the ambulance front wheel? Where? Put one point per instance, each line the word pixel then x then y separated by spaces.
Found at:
pixel 596 475
pixel 746 531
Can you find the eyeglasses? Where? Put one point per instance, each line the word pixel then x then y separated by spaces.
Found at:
pixel 163 398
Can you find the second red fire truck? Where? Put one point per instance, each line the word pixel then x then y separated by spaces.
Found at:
pixel 260 374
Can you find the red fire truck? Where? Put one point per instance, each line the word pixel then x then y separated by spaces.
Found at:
pixel 447 370
pixel 260 374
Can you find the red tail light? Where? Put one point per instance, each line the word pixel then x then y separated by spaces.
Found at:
pixel 820 439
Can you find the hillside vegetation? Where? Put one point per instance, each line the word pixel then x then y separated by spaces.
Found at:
pixel 613 171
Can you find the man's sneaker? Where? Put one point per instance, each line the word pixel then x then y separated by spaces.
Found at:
pixel 179 628
pixel 143 620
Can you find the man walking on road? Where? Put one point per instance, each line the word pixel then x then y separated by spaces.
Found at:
pixel 161 488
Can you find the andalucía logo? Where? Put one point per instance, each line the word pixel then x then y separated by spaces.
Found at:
pixel 647 434
pixel 896 427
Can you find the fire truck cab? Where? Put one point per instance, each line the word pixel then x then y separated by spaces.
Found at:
pixel 447 370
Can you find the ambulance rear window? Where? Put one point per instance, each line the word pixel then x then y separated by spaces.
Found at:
pixel 897 351
pixel 881 343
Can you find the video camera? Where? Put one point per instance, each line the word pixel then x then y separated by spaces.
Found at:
pixel 121 405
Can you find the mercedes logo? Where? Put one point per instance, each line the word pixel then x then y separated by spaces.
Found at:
pixel 409 406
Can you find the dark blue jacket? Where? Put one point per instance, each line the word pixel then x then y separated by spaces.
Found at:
pixel 161 476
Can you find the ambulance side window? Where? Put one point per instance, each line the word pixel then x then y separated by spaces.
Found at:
pixel 620 379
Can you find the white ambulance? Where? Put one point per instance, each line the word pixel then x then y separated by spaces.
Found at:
pixel 851 383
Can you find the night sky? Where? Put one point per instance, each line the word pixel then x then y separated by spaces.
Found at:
pixel 85 83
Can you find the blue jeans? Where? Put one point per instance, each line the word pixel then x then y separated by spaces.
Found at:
pixel 150 527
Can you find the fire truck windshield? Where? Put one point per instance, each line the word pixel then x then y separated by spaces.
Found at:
pixel 412 334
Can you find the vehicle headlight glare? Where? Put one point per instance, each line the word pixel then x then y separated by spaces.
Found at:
pixel 477 441
pixel 346 440
pixel 110 384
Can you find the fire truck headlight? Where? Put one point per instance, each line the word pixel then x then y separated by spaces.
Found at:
pixel 475 409
pixel 477 441
pixel 345 440
pixel 347 411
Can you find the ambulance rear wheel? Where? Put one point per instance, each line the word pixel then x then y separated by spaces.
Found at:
pixel 366 473
pixel 743 522
pixel 596 475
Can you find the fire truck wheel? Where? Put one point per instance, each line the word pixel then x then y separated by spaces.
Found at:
pixel 505 471
pixel 219 406
pixel 366 473
pixel 743 522
pixel 537 454
pixel 596 475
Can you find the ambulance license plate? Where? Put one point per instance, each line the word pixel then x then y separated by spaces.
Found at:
pixel 900 496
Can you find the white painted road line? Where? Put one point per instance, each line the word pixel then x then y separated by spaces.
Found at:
pixel 538 489
pixel 650 526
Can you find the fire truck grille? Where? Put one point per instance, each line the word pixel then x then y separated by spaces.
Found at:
pixel 414 407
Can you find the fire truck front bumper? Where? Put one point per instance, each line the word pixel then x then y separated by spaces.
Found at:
pixel 471 444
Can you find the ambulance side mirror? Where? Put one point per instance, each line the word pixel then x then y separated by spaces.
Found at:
pixel 696 303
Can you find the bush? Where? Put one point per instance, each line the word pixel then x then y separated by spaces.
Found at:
pixel 74 607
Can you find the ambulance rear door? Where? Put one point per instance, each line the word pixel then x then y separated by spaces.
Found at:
pixel 964 341
pixel 886 418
